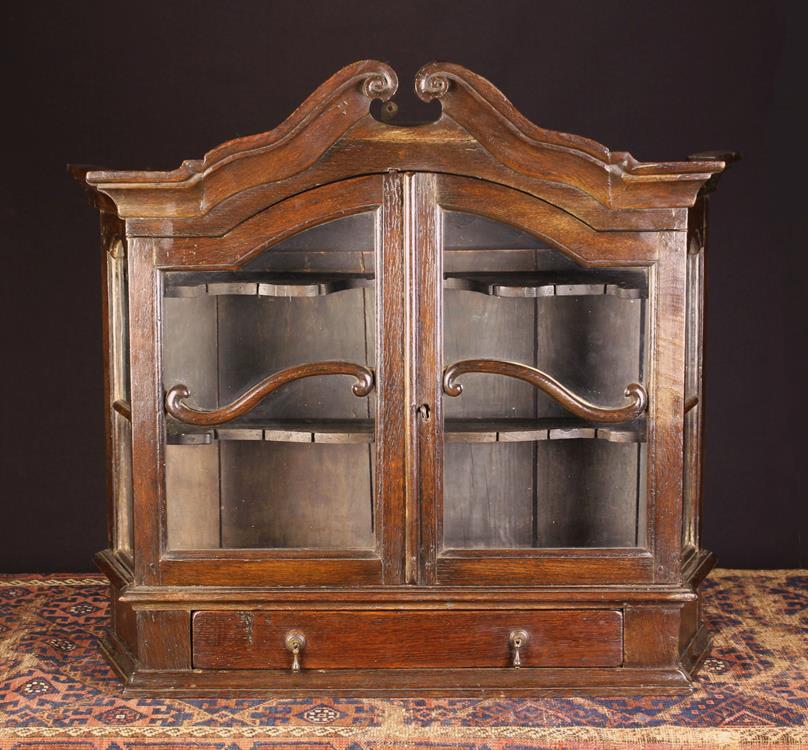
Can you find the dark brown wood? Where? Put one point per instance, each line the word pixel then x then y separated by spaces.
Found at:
pixel 148 449
pixel 426 405
pixel 615 177
pixel 550 223
pixel 324 116
pixel 412 640
pixel 666 413
pixel 548 681
pixel 252 396
pixel 279 568
pixel 406 535
pixel 547 596
pixel 393 471
pixel 578 406
pixel 652 636
pixel 270 226
pixel 443 146
pixel 299 496
pixel 163 639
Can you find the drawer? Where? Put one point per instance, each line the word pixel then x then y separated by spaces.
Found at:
pixel 354 639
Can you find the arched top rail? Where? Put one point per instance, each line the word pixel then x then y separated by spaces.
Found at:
pixel 548 222
pixel 272 225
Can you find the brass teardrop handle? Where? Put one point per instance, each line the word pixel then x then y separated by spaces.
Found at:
pixel 295 643
pixel 517 640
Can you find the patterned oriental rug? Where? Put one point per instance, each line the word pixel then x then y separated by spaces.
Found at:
pixel 57 693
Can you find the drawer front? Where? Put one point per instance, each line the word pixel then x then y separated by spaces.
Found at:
pixel 427 639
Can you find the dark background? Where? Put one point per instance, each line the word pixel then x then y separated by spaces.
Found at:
pixel 143 84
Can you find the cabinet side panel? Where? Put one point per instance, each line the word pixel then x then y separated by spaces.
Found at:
pixel 123 621
pixel 147 409
pixel 666 407
pixel 694 390
pixel 107 221
pixel 115 322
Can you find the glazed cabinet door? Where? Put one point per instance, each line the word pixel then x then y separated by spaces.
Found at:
pixel 534 375
pixel 279 370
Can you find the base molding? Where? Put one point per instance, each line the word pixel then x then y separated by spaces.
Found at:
pixel 664 645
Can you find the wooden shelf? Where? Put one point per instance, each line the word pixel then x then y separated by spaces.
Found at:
pixel 261 284
pixel 279 431
pixel 362 431
pixel 626 284
pixel 515 430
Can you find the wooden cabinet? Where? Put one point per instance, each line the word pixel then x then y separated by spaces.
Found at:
pixel 405 409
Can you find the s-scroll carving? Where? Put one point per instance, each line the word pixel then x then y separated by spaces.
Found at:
pixel 580 407
pixel 177 396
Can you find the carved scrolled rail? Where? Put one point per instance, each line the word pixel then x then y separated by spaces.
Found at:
pixel 250 398
pixel 573 403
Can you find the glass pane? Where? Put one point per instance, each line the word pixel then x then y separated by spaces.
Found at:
pixel 298 469
pixel 520 470
pixel 691 489
pixel 118 291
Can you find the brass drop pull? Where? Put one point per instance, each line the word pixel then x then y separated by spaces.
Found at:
pixel 295 643
pixel 517 640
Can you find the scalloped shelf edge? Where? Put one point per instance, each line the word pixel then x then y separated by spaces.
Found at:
pixel 362 433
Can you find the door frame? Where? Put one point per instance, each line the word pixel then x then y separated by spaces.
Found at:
pixel 663 253
pixel 149 258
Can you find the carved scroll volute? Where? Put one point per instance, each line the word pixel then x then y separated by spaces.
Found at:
pixel 431 82
pixel 249 399
pixel 580 407
pixel 381 84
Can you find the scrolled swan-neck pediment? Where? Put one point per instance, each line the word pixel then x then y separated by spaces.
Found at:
pixel 332 136
pixel 485 112
pixel 196 186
